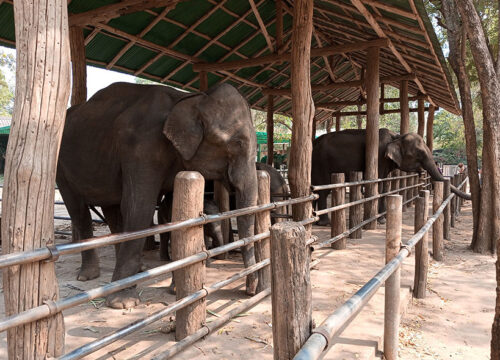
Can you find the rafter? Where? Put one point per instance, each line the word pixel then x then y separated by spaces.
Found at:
pixel 263 28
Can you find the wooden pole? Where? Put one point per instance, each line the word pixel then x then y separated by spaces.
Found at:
pixel 313 130
pixel 453 204
pixel 356 211
pixel 382 98
pixel 79 66
pixel 270 130
pixel 395 183
pixel 299 172
pixel 437 227
pixel 372 129
pixel 402 184
pixel 430 127
pixel 329 125
pixel 279 26
pixel 422 247
pixel 42 92
pixel 262 224
pixel 457 201
pixel 189 188
pixel 221 197
pixel 359 121
pixel 338 219
pixel 446 212
pixel 393 283
pixel 292 319
pixel 405 108
pixel 421 117
pixel 203 81
pixel 337 122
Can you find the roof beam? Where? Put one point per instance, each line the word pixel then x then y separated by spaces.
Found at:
pixel 262 26
pixel 266 59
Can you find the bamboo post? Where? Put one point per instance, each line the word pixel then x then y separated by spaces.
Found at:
pixel 446 212
pixel 189 189
pixel 262 224
pixel 393 283
pixel 422 247
pixel 430 127
pixel 78 65
pixel 402 184
pixel 372 131
pixel 456 177
pixel 42 92
pixel 421 117
pixel 221 197
pixel 299 173
pixel 338 220
pixel 292 319
pixel 337 121
pixel 437 227
pixel 270 130
pixel 356 211
pixel 405 108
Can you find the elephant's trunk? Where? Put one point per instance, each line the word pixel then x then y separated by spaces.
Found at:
pixel 433 171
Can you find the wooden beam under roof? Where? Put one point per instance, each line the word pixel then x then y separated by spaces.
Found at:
pixel 262 26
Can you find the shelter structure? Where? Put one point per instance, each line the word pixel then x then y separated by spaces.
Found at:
pixel 304 58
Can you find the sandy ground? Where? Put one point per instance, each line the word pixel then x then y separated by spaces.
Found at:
pixel 453 322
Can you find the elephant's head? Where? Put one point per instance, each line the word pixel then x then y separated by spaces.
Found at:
pixel 410 153
pixel 214 134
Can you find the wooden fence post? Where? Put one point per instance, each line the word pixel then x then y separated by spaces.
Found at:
pixel 409 192
pixel 262 224
pixel 453 204
pixel 337 218
pixel 402 184
pixel 292 319
pixel 446 212
pixel 456 177
pixel 393 283
pixel 189 189
pixel 437 227
pixel 422 247
pixel 462 200
pixel 356 211
pixel 221 197
pixel 423 181
pixel 395 183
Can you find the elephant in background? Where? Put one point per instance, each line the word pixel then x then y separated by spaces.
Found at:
pixel 344 151
pixel 122 149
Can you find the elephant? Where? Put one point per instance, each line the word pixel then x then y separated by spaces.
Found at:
pixel 123 148
pixel 344 151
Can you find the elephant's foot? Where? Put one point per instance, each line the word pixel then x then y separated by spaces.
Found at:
pixel 323 221
pixel 251 285
pixel 87 273
pixel 171 288
pixel 124 299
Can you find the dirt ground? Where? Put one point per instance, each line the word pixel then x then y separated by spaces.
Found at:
pixel 453 322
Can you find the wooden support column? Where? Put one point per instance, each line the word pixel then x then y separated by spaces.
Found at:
pixel 299 173
pixel 313 129
pixel 422 247
pixel 279 26
pixel 359 120
pixel 338 219
pixel 79 66
pixel 382 98
pixel 42 92
pixel 437 227
pixel 430 127
pixel 292 319
pixel 262 224
pixel 446 212
pixel 393 283
pixel 337 122
pixel 404 105
pixel 189 188
pixel 203 81
pixel 356 211
pixel 372 129
pixel 270 130
pixel 329 125
pixel 421 117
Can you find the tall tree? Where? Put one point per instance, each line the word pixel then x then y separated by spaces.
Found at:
pixel 488 71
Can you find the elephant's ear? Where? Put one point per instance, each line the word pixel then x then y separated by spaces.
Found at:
pixel 184 127
pixel 393 152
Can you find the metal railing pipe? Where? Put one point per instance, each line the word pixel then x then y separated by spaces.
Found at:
pixel 354 183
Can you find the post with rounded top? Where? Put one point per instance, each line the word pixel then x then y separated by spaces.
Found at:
pixel 393 283
pixel 446 212
pixel 188 203
pixel 262 224
pixel 338 220
pixel 356 211
pixel 292 319
pixel 422 247
pixel 437 227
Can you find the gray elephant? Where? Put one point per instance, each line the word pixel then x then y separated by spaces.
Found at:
pixel 122 149
pixel 344 151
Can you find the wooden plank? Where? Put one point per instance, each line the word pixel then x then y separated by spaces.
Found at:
pixel 42 92
pixel 271 58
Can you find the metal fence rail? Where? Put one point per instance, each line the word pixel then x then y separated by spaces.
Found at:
pixel 362 182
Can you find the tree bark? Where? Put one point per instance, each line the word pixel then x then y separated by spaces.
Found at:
pixel 456 40
pixel 490 93
pixel 42 91
pixel 430 127
pixel 299 173
pixel 79 66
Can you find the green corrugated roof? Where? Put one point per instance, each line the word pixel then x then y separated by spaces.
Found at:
pixel 212 32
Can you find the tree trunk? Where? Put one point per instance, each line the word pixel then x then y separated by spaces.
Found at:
pixel 299 172
pixel 42 91
pixel 456 40
pixel 490 93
